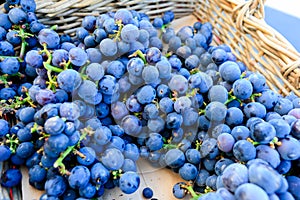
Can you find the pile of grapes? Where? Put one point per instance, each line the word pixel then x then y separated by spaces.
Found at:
pixel 79 111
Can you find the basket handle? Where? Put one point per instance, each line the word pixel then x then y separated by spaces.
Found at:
pixel 249 8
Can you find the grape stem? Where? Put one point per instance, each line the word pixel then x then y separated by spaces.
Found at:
pixel 191 191
pixel 140 54
pixel 47 65
pixel 252 97
pixel 117 35
pixel 116 173
pixel 13 142
pixel 198 145
pixel 59 162
pixel 23 35
pixel 252 141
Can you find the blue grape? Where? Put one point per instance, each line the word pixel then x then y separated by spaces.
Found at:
pixel 150 74
pixel 124 15
pixel 146 94
pixel 37 173
pixel 175 158
pixel 78 56
pixel 89 156
pixel 13 38
pixel 7 93
pixel 268 154
pixel 49 37
pixel 69 80
pixel 184 52
pixel 112 159
pixel 156 125
pixel 218 93
pixel 221 165
pixel 234 116
pixel 234 175
pixel 79 177
pixel 108 85
pixel 288 149
pixel 57 143
pixel 209 147
pixel 178 191
pixel 54 125
pixel 59 57
pixel 116 69
pixel 164 68
pixel 4 21
pixel 215 111
pixel 147 193
pixel 119 110
pixel 26 114
pixel 129 33
pixel 294 185
pixel 283 106
pixel 258 81
pixel 5 152
pixel 108 47
pixel 102 135
pixel 129 182
pixel 282 128
pixel 174 120
pixel 263 132
pixel 219 56
pixel 242 89
pixel 89 22
pixel 254 109
pixel 17 16
pixel 88 191
pixel 225 142
pixel 188 172
pixel 265 177
pixel 25 149
pixel 11 178
pixel 230 71
pixel 67 46
pixel 244 150
pixel 250 191
pixel 179 84
pixel 99 173
pixel 131 125
pixel 28 5
pixel 268 98
pixel 6 49
pixel 154 142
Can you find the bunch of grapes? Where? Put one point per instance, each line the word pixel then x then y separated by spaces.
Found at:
pixel 79 111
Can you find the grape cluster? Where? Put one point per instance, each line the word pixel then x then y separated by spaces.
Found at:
pixel 79 111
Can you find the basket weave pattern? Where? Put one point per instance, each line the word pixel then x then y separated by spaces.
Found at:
pixel 237 23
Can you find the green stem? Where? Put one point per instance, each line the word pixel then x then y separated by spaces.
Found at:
pixel 201 112
pixel 169 54
pixel 116 174
pixel 23 36
pixel 52 68
pixel 67 65
pixel 54 27
pixel 191 191
pixel 3 57
pixel 59 162
pixel 13 143
pixel 198 145
pixel 170 146
pixel 252 97
pixel 140 54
